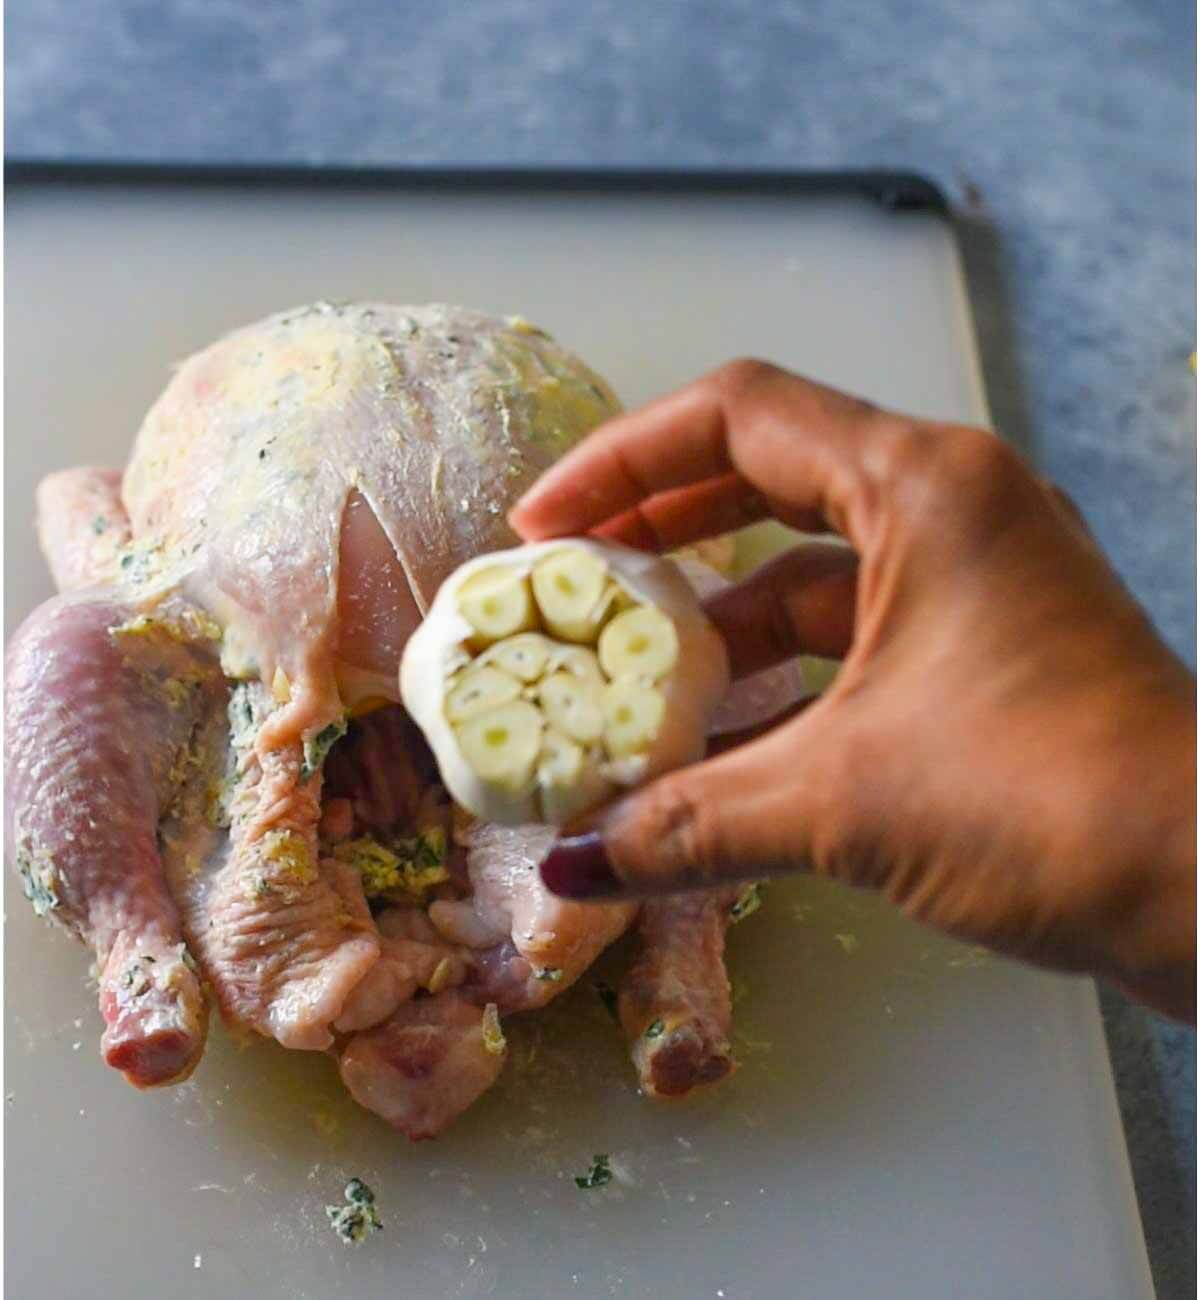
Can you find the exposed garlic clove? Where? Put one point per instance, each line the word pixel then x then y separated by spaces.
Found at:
pixel 577 660
pixel 502 745
pixel 717 553
pixel 633 716
pixel 568 776
pixel 574 705
pixel 477 690
pixel 497 603
pixel 523 655
pixel 641 642
pixel 561 760
pixel 573 593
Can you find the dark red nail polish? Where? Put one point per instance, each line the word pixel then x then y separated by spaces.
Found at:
pixel 578 867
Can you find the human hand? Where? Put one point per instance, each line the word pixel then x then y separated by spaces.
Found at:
pixel 1008 750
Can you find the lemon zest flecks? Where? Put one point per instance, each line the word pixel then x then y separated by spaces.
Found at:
pixel 493 1036
pixel 409 871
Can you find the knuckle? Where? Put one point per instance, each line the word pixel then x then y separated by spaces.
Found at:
pixel 744 373
pixel 978 454
pixel 679 829
pixel 955 461
pixel 905 452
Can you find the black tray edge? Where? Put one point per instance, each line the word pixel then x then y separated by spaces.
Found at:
pixel 895 191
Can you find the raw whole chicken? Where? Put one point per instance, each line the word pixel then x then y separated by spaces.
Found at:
pixel 210 780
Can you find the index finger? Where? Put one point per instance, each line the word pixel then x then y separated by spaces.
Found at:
pixel 785 435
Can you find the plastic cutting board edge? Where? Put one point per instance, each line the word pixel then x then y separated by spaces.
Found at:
pixel 912 1118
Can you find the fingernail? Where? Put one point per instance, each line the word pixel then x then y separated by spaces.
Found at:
pixel 578 867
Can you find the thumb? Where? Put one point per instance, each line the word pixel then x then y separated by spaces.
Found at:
pixel 751 812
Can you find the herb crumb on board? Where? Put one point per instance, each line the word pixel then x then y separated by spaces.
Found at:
pixel 598 1175
pixel 358 1218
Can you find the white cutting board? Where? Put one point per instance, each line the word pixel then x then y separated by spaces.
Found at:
pixel 912 1119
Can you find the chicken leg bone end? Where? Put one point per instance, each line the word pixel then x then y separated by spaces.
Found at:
pixel 154 1011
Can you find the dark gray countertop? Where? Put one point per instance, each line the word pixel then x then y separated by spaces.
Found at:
pixel 1062 133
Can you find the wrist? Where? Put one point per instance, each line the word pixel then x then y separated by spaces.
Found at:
pixel 1153 947
pixel 1146 839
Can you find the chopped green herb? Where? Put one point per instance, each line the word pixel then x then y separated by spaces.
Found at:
pixel 747 902
pixel 133 974
pixel 358 1218
pixel 548 974
pixel 126 561
pixel 429 849
pixel 99 524
pixel 316 748
pixel 608 996
pixel 655 1029
pixel 596 1176
pixel 37 881
pixel 241 713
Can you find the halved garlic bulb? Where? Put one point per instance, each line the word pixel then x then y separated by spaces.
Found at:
pixel 546 677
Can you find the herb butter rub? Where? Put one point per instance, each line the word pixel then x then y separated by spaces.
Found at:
pixel 436 417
